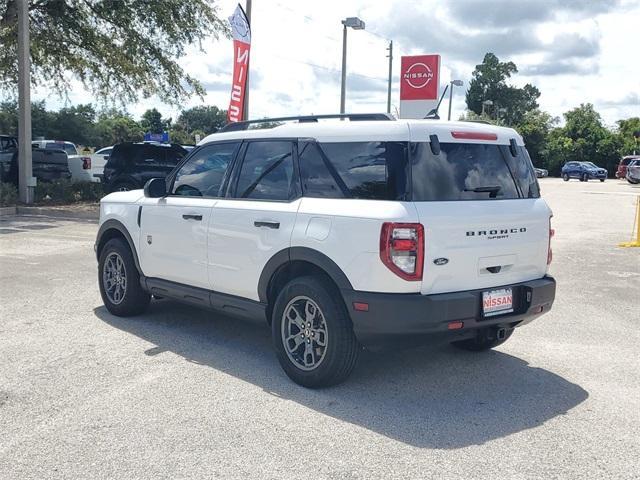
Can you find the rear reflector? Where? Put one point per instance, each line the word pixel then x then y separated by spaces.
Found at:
pixel 361 306
pixel 455 325
pixel 463 135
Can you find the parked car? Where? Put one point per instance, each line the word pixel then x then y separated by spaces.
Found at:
pixel 541 172
pixel 340 234
pixel 584 171
pixel 131 165
pixel 46 164
pixel 79 165
pixel 621 172
pixel 632 173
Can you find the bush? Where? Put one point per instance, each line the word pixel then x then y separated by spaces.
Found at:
pixel 8 194
pixel 63 191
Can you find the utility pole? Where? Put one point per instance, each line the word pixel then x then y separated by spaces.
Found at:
pixel 245 107
pixel 25 178
pixel 390 48
pixel 343 83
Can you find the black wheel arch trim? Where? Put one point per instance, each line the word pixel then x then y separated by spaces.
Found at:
pixel 292 254
pixel 113 224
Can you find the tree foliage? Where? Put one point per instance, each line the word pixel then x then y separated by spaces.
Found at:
pixel 489 82
pixel 119 49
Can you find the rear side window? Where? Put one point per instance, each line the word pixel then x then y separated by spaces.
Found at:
pixel 267 171
pixel 319 178
pixel 365 170
pixel 461 171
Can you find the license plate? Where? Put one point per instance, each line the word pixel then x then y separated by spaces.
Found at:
pixel 496 302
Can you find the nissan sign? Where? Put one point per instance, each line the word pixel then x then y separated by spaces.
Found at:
pixel 419 82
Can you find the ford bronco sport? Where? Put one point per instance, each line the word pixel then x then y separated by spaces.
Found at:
pixel 340 234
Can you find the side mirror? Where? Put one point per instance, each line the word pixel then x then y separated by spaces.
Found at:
pixel 155 188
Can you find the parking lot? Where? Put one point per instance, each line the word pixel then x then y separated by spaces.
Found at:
pixel 184 393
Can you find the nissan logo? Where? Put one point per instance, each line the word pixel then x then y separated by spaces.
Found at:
pixel 418 75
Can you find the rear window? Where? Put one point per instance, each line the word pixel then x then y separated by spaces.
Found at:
pixel 465 171
pixel 364 170
pixel 69 148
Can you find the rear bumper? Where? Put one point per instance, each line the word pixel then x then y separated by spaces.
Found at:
pixel 392 317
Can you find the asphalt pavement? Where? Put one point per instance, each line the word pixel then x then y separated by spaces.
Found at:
pixel 184 393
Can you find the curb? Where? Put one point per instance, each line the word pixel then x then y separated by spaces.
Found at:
pixel 55 213
pixel 7 211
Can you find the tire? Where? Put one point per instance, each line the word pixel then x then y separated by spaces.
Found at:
pixel 303 357
pixel 482 342
pixel 585 178
pixel 602 179
pixel 565 177
pixel 121 300
pixel 123 187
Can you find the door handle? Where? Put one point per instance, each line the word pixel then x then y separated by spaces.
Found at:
pixel 274 225
pixel 192 216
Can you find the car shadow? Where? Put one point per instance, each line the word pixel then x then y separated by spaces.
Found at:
pixel 426 397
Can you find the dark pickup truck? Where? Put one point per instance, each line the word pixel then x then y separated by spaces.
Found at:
pixel 47 164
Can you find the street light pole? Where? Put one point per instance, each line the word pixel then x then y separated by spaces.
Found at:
pixel 356 24
pixel 343 80
pixel 390 48
pixel 457 83
pixel 25 180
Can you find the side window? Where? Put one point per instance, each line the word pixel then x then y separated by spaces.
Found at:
pixel 319 178
pixel 267 171
pixel 202 174
pixel 522 169
pixel 370 170
pixel 173 156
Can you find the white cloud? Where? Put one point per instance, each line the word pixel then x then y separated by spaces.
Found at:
pixel 572 53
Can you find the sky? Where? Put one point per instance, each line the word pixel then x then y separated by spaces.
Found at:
pixel 574 51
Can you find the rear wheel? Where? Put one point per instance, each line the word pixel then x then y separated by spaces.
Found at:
pixel 123 187
pixel 565 177
pixel 485 340
pixel 312 333
pixel 119 280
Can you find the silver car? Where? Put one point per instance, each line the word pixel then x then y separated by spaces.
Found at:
pixel 633 172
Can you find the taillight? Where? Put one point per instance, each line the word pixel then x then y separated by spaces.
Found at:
pixel 402 249
pixel 552 232
pixel 86 163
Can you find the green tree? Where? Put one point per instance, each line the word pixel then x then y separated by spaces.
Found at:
pixel 535 128
pixel 489 82
pixel 153 122
pixel 206 118
pixel 114 126
pixel 118 49
pixel 629 131
pixel 75 124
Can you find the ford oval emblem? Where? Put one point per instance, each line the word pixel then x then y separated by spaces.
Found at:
pixel 441 261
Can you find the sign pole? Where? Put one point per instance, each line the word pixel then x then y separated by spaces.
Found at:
pixel 390 48
pixel 25 177
pixel 245 112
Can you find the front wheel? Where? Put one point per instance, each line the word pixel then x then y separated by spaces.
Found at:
pixel 565 177
pixel 483 341
pixel 312 333
pixel 585 177
pixel 119 280
pixel 602 179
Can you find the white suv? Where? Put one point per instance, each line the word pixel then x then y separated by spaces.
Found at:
pixel 340 234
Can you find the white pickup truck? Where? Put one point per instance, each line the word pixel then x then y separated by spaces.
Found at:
pixel 79 165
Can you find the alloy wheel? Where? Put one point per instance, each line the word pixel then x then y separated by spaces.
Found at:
pixel 304 333
pixel 114 278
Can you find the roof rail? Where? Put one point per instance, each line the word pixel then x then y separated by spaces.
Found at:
pixel 354 117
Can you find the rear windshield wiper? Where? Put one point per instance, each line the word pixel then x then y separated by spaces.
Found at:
pixel 491 190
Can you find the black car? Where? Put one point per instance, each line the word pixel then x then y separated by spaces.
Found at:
pixel 47 164
pixel 130 165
